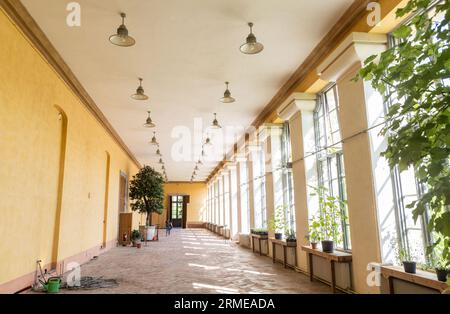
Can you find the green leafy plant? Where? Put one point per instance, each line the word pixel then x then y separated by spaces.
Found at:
pixel 278 221
pixel 404 256
pixel 147 193
pixel 135 235
pixel 259 231
pixel 414 77
pixel 327 225
pixel 314 231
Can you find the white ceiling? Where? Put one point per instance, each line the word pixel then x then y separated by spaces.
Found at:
pixel 185 51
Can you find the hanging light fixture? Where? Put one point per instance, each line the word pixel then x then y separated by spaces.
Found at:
pixel 203 153
pixel 154 141
pixel 252 46
pixel 227 99
pixel 215 124
pixel 208 141
pixel 149 123
pixel 200 162
pixel 158 152
pixel 121 38
pixel 163 168
pixel 140 94
pixel 196 168
pixel 161 162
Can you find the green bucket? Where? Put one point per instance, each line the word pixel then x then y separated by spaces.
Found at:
pixel 53 285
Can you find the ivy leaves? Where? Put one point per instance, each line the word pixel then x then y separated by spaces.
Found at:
pixel 414 76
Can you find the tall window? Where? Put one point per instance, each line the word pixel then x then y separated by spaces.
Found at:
pixel 259 185
pixel 220 200
pixel 234 203
pixel 245 208
pixel 330 158
pixel 288 185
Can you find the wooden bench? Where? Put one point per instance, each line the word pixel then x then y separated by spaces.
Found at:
pixel 421 278
pixel 336 257
pixel 260 239
pixel 285 246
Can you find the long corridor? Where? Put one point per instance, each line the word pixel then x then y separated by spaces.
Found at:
pixel 194 261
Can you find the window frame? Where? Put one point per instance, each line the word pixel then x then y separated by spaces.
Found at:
pixel 325 156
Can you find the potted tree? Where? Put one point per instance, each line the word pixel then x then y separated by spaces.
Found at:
pixel 276 223
pixel 136 238
pixel 330 219
pixel 147 195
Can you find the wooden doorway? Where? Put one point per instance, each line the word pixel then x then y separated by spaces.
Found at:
pixel 178 210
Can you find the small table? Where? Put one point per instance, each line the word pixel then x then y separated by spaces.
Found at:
pixel 421 278
pixel 285 245
pixel 336 257
pixel 260 238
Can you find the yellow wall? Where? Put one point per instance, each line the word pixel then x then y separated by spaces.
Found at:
pixel 34 106
pixel 196 208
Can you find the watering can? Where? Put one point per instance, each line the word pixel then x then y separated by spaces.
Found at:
pixel 52 285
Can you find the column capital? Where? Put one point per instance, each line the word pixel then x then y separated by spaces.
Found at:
pixel 268 129
pixel 356 48
pixel 230 166
pixel 295 103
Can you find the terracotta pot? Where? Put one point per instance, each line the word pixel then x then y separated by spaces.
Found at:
pixel 314 246
pixel 138 245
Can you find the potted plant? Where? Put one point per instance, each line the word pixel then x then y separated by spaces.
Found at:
pixel 136 238
pixel 442 272
pixel 276 223
pixel 147 195
pixel 406 259
pixel 440 265
pixel 291 238
pixel 329 221
pixel 314 234
pixel 260 231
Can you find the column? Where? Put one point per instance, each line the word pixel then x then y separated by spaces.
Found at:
pixel 298 110
pixel 358 103
pixel 234 225
pixel 251 194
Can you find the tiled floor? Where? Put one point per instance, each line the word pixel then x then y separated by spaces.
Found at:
pixel 195 261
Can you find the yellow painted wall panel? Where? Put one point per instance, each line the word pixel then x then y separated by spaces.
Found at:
pixel 31 133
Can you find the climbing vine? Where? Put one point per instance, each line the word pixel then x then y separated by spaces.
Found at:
pixel 414 76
